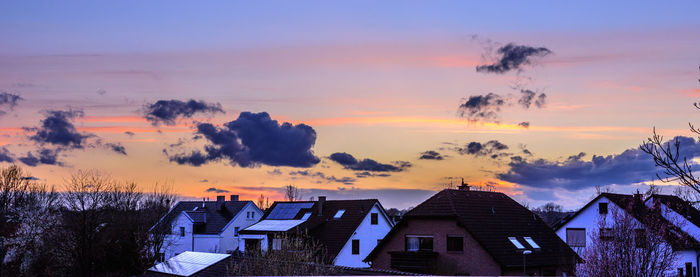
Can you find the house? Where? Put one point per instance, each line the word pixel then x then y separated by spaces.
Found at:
pixel 466 232
pixel 206 226
pixel 192 264
pixel 347 229
pixel 682 234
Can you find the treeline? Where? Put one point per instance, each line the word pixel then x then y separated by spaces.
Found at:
pixel 96 225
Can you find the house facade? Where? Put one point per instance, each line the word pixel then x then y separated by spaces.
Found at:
pixel 579 229
pixel 206 226
pixel 464 232
pixel 347 229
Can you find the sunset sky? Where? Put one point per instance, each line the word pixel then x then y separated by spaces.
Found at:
pixel 368 88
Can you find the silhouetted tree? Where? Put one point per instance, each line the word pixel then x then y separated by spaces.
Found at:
pixel 292 193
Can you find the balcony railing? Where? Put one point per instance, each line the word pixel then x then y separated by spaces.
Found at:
pixel 418 261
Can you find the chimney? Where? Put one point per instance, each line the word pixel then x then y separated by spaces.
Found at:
pixel 321 201
pixel 638 196
pixel 234 197
pixel 464 185
pixel 220 200
pixel 203 202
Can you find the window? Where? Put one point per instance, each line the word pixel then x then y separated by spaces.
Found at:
pixel 640 238
pixel 455 243
pixel 235 231
pixel 375 218
pixel 516 243
pixel 576 237
pixel 602 208
pixel 247 214
pixel 182 231
pixel 419 243
pixel 356 247
pixel 276 244
pixel 606 234
pixel 252 215
pixel 531 242
pixel 339 214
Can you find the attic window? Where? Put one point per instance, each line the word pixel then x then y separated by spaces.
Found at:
pixel 515 242
pixel 602 208
pixel 338 214
pixel 532 242
pixel 306 216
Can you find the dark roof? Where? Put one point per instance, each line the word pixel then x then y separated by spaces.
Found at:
pixel 332 233
pixel 208 219
pixel 492 217
pixel 633 205
pixel 680 206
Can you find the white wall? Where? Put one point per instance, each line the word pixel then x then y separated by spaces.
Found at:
pixel 229 242
pixel 368 235
pixel 588 219
pixel 174 243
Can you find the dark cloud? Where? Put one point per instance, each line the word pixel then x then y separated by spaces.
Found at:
pixel 30 178
pixel 168 111
pixel 101 91
pixel 430 155
pixel 43 156
pixel 524 124
pixel 492 148
pixel 57 129
pixel 322 176
pixel 116 147
pixel 513 57
pixel 6 156
pixel 276 171
pixel 366 174
pixel 216 190
pixel 629 167
pixel 349 162
pixel 482 107
pixel 343 158
pixel 254 139
pixel 10 100
pixel 129 133
pixel 528 98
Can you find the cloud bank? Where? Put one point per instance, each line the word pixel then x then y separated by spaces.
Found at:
pixel 349 162
pixel 253 139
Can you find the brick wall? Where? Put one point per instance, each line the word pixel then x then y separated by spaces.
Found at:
pixel 474 260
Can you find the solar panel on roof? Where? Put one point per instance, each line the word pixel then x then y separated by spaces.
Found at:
pixel 288 210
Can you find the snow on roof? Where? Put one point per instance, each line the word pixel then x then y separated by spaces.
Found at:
pixel 188 263
pixel 275 225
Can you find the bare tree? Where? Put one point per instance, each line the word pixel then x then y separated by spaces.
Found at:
pixel 290 255
pixel 263 202
pixel 627 247
pixel 292 193
pixel 676 167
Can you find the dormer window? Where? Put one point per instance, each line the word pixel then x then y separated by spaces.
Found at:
pixel 339 214
pixel 602 208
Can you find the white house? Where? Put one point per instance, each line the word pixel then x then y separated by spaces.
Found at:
pixel 348 229
pixel 578 229
pixel 206 226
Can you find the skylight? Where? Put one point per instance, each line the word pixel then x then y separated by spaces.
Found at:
pixel 515 242
pixel 531 242
pixel 338 214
